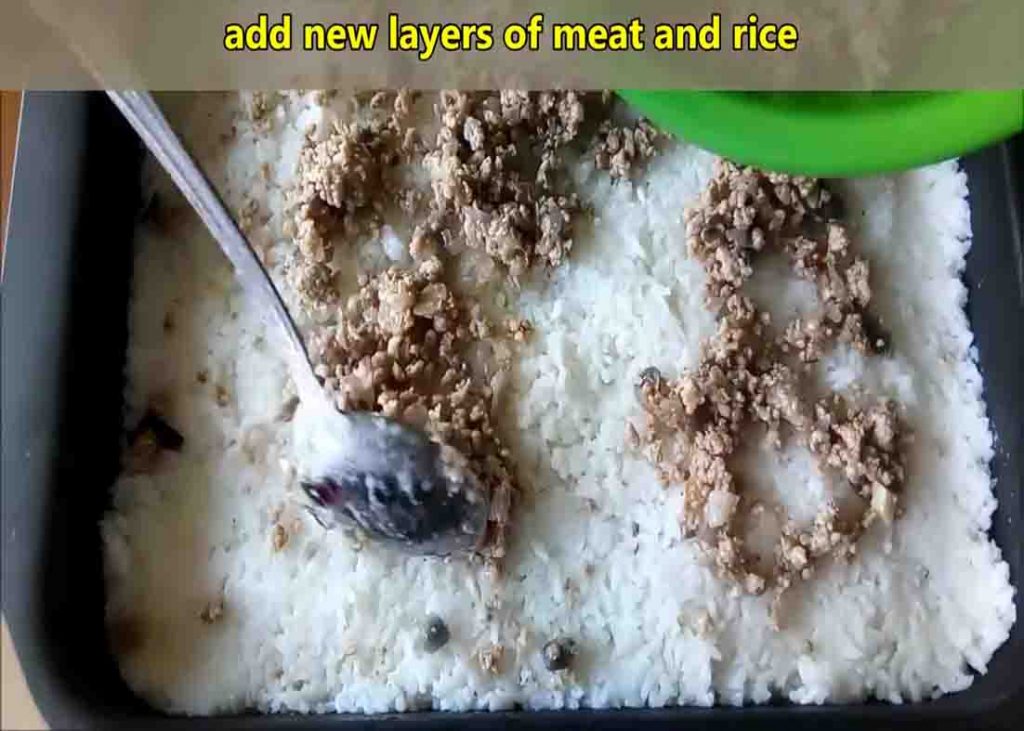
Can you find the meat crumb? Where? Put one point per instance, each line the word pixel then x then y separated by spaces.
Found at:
pixel 519 329
pixel 260 105
pixel 623 150
pixel 279 537
pixel 213 611
pixel 490 658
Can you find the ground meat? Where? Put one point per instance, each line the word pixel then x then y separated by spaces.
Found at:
pixel 519 329
pixel 490 658
pixel 401 349
pixel 344 182
pixel 498 182
pixel 260 105
pixel 250 216
pixel 623 150
pixel 279 537
pixel 860 443
pixel 498 187
pixel 744 211
pixel 494 167
pixel 746 376
pixel 213 611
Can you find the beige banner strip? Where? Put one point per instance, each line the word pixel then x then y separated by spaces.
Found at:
pixel 756 44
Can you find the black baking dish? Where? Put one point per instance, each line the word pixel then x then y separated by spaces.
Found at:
pixel 65 294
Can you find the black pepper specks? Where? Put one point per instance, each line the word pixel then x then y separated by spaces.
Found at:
pixel 558 654
pixel 648 378
pixel 435 634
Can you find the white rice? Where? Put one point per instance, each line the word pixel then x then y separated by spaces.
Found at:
pixel 329 624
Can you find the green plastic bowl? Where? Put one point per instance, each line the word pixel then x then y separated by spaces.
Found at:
pixel 835 134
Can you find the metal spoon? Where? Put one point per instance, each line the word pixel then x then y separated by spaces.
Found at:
pixel 387 478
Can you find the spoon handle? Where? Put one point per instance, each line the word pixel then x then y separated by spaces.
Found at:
pixel 142 112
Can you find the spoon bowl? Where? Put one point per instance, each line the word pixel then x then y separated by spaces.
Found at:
pixel 396 485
